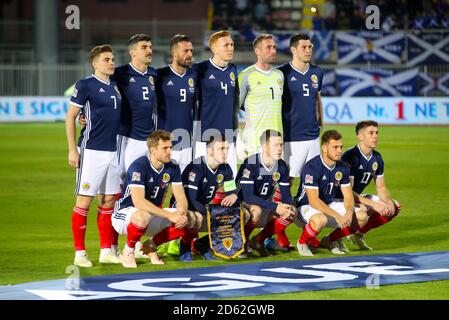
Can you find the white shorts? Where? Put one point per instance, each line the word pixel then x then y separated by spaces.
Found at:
pixel 297 153
pixel 182 157
pixel 306 212
pixel 200 150
pixel 129 150
pixel 98 173
pixel 122 218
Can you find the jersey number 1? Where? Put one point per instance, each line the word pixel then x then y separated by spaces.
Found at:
pixel 115 102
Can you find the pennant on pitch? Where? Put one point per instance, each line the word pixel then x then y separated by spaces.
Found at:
pixel 226 230
pixel 377 82
pixel 381 47
pixel 428 48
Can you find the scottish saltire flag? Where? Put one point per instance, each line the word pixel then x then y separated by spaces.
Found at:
pixel 282 42
pixel 377 82
pixel 381 47
pixel 430 85
pixel 328 87
pixel 323 44
pixel 428 48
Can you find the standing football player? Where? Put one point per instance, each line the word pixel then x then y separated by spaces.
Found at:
pixel 95 156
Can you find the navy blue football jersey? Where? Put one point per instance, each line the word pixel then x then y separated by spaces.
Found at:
pixel 257 182
pixel 363 168
pixel 100 103
pixel 299 116
pixel 201 182
pixel 317 175
pixel 139 98
pixel 142 174
pixel 217 96
pixel 175 100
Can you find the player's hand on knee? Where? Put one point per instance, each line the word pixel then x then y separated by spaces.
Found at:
pixel 344 221
pixel 179 220
pixel 285 211
pixel 74 159
pixel 391 208
pixel 229 201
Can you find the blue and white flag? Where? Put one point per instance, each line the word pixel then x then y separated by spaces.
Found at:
pixel 382 47
pixel 282 42
pixel 430 85
pixel 377 82
pixel 328 87
pixel 323 44
pixel 428 48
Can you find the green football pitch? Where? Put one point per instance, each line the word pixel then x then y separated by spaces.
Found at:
pixel 37 197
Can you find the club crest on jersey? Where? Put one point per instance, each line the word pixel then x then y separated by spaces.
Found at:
pixel 75 93
pixel 227 243
pixel 375 166
pixel 338 175
pixel 314 79
pixel 151 79
pixel 220 178
pixel 86 186
pixel 246 174
pixel 308 179
pixel 232 76
pixel 135 176
pixel 192 176
pixel 280 83
pixel 276 176
pixel 191 83
pixel 165 178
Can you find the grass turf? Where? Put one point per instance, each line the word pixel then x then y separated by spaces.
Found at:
pixel 36 196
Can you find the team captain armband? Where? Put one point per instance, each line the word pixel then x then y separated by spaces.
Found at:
pixel 229 186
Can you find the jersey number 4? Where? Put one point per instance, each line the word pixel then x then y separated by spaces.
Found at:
pixel 224 86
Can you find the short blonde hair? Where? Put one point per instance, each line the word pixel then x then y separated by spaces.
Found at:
pixel 260 37
pixel 156 136
pixel 217 35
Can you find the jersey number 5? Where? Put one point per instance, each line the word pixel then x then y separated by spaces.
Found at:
pixel 305 89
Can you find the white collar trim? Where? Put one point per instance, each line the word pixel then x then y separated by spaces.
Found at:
pixel 142 73
pixel 101 80
pixel 324 163
pixel 297 70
